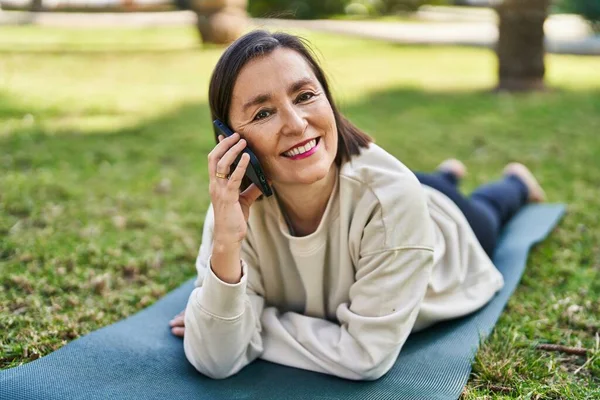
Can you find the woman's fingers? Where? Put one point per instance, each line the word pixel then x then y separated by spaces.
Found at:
pixel 178 331
pixel 220 149
pixel 220 187
pixel 224 164
pixel 178 320
pixel 178 324
pixel 236 177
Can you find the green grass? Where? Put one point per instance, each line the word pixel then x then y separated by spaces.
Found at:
pixel 103 181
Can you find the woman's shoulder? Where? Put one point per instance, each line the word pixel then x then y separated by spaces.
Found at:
pixel 378 170
pixel 386 195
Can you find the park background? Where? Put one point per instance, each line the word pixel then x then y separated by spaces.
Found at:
pixel 105 128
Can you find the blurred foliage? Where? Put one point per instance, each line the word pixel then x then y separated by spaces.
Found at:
pixel 588 9
pixel 300 9
pixel 309 9
pixel 397 6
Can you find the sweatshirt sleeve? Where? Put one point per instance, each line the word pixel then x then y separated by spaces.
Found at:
pixel 222 320
pixel 391 279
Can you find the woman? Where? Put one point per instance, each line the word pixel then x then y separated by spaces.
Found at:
pixel 351 253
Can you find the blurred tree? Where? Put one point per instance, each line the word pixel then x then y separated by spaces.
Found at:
pixel 296 9
pixel 220 21
pixel 312 9
pixel 36 5
pixel 520 47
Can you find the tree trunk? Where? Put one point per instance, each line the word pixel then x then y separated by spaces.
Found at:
pixel 520 47
pixel 36 5
pixel 220 21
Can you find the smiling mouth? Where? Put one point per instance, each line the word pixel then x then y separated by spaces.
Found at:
pixel 301 149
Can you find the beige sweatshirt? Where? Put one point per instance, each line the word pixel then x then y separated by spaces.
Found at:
pixel 389 257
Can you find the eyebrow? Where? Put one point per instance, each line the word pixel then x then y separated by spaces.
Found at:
pixel 264 97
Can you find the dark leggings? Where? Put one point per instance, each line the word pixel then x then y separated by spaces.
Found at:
pixel 488 208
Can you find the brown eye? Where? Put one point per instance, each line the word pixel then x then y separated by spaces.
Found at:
pixel 262 114
pixel 305 96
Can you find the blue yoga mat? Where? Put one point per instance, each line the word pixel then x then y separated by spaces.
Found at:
pixel 139 358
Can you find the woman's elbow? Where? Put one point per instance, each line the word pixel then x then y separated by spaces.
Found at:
pixel 215 373
pixel 219 363
pixel 212 370
pixel 374 371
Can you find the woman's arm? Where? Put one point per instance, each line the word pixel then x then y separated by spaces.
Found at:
pixel 392 275
pixel 372 328
pixel 222 320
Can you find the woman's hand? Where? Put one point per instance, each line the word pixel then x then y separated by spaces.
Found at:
pixel 178 324
pixel 231 208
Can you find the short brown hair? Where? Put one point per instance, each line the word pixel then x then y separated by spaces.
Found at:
pixel 259 43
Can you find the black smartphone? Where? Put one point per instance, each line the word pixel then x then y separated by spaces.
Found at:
pixel 254 171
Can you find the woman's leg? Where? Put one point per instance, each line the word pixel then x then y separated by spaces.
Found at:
pixel 488 208
pixel 479 218
pixel 498 201
pixel 502 199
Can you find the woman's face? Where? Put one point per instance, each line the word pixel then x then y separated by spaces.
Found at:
pixel 278 104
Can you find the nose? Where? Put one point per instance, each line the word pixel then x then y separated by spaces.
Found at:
pixel 293 122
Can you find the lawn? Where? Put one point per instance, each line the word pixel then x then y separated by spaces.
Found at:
pixel 103 181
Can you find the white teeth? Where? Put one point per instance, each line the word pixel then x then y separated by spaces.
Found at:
pixel 301 149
